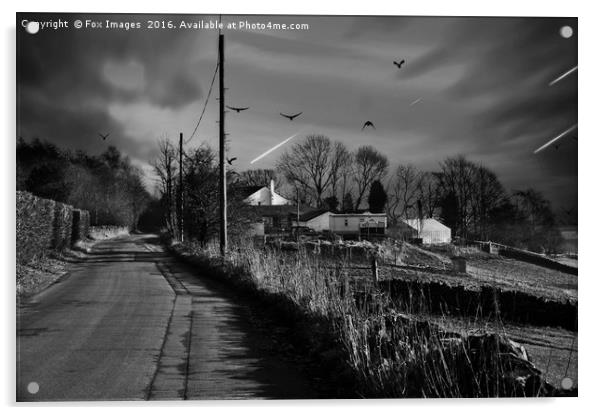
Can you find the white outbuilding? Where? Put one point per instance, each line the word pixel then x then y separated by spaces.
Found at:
pixel 265 196
pixel 430 230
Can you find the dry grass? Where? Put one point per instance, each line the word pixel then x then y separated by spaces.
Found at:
pixel 391 354
pixel 526 277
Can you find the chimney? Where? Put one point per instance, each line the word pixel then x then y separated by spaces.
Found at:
pixel 272 191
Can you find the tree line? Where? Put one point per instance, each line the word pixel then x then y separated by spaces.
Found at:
pixel 465 195
pixel 321 173
pixel 107 185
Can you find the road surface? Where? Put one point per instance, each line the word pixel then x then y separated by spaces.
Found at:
pixel 131 323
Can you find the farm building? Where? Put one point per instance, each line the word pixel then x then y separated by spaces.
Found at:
pixel 430 230
pixel 265 196
pixel 318 220
pixel 275 219
pixel 358 224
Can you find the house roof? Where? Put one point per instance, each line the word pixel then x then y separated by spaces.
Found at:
pixel 248 190
pixel 428 225
pixel 309 215
pixel 362 214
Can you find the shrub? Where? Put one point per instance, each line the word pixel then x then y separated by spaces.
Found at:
pixel 44 224
pixel 62 226
pixel 35 219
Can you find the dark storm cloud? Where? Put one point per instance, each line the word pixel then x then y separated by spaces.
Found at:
pixel 482 84
pixel 65 88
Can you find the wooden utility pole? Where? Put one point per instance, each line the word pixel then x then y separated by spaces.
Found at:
pixel 181 194
pixel 223 229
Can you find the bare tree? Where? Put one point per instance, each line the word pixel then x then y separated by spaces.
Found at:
pixel 258 177
pixel 308 166
pixel 457 180
pixel 341 166
pixel 430 194
pixel 488 195
pixel 165 166
pixel 369 166
pixel 404 192
pixel 476 192
pixel 137 194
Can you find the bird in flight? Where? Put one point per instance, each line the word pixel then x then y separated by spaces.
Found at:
pixel 291 117
pixel 237 109
pixel 104 137
pixel 398 64
pixel 230 160
pixel 368 124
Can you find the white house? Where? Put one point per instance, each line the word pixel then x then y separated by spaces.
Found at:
pixel 430 230
pixel 318 220
pixel 266 196
pixel 358 223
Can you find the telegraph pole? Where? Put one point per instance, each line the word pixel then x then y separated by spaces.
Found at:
pixel 181 195
pixel 223 229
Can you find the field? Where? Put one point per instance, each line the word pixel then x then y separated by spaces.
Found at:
pixel 422 329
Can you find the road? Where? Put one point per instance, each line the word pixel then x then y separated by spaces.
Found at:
pixel 131 323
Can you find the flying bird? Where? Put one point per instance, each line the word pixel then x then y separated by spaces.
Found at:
pixel 368 124
pixel 398 64
pixel 237 109
pixel 230 160
pixel 291 117
pixel 104 137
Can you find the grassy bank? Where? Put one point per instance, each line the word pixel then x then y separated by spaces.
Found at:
pixel 364 336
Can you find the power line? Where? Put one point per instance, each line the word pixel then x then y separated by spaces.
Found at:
pixel 205 104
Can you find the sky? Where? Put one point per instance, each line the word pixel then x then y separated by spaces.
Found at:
pixel 473 86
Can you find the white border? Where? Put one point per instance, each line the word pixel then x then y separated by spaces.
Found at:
pixel 589 195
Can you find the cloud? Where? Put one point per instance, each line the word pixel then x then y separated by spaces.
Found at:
pixel 483 84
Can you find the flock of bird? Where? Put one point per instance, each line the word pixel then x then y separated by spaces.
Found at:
pixel 293 116
pixel 369 123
